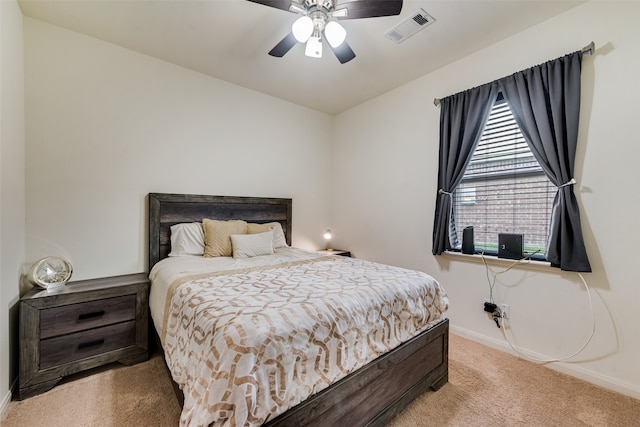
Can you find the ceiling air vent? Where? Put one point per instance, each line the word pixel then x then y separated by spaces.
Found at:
pixel 410 26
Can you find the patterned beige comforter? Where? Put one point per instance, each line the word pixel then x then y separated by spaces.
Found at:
pixel 245 346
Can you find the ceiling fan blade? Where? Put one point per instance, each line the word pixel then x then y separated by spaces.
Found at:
pixel 344 53
pixel 368 8
pixel 278 4
pixel 284 46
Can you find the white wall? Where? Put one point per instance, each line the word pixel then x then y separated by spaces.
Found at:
pixel 106 126
pixel 385 171
pixel 12 188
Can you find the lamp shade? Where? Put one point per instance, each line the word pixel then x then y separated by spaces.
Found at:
pixel 335 33
pixel 302 29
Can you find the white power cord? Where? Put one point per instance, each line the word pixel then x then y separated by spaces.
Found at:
pixel 538 360
pixel 505 322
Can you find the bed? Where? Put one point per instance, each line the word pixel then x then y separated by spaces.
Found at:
pixel 363 390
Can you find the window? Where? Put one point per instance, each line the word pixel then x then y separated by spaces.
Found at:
pixel 503 190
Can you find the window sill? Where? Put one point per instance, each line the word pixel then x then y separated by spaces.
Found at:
pixel 502 262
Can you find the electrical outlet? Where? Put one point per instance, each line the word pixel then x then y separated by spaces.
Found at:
pixel 504 310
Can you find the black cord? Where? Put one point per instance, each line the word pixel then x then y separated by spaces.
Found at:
pixel 496 316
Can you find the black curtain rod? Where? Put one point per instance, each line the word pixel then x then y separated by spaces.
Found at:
pixel 587 50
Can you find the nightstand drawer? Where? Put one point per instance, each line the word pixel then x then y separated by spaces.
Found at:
pixel 68 348
pixel 79 317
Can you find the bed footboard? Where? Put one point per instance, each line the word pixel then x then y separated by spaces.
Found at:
pixel 374 394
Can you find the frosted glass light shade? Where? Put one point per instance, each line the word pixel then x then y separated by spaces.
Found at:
pixel 335 33
pixel 327 235
pixel 314 47
pixel 302 29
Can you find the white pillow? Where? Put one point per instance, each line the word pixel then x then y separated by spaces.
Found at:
pixel 187 239
pixel 279 241
pixel 250 245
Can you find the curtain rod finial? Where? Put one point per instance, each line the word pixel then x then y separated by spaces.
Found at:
pixel 436 102
pixel 589 49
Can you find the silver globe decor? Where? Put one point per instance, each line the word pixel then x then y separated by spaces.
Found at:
pixel 50 272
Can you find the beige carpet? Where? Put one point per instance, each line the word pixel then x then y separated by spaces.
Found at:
pixel 486 388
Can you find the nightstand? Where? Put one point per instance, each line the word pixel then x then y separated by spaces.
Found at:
pixel 79 326
pixel 335 252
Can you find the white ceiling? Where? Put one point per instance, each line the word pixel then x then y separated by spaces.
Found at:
pixel 229 40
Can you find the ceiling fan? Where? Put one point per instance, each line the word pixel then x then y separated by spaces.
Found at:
pixel 318 20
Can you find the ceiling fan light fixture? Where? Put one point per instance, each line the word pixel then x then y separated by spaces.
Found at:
pixel 302 28
pixel 319 15
pixel 314 47
pixel 335 33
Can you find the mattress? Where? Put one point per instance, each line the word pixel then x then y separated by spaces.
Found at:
pixel 248 339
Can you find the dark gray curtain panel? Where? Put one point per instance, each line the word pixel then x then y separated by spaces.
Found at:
pixel 462 119
pixel 545 101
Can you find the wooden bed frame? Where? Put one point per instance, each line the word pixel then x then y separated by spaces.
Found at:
pixel 370 396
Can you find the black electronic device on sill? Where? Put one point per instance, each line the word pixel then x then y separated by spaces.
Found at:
pixel 510 245
pixel 468 244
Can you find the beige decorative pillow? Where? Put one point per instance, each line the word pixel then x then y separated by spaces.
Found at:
pixel 253 228
pixel 217 236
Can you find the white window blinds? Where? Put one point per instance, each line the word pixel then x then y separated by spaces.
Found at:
pixel 504 189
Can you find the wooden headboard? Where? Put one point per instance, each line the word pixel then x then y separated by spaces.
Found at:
pixel 166 210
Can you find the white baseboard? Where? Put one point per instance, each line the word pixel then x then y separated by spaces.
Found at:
pixel 566 368
pixel 4 404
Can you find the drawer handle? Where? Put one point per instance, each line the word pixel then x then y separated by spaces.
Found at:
pixel 90 344
pixel 85 316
